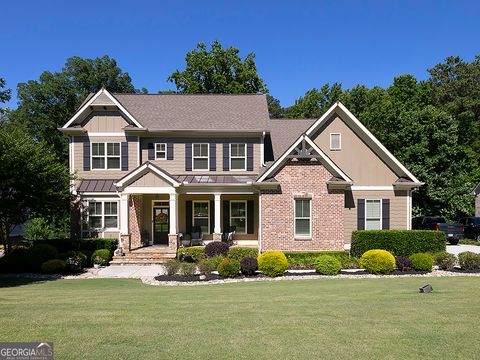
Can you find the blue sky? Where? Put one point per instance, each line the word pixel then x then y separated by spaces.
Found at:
pixel 298 44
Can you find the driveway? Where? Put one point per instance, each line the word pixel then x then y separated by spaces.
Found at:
pixel 457 249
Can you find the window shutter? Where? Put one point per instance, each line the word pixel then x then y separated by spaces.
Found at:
pixel 250 217
pixel 189 216
pixel 226 216
pixel 169 151
pixel 361 214
pixel 188 157
pixel 249 157
pixel 151 151
pixel 385 214
pixel 86 156
pixel 213 157
pixel 212 216
pixel 226 156
pixel 124 156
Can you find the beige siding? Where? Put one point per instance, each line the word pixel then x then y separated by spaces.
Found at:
pixel 150 179
pixel 102 99
pixel 355 158
pixel 104 121
pixel 398 209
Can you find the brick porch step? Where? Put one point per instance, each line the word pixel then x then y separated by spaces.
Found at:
pixel 145 256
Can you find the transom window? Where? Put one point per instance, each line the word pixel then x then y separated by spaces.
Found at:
pixel 335 141
pixel 160 151
pixel 238 157
pixel 106 156
pixel 103 214
pixel 238 216
pixel 303 217
pixel 201 216
pixel 373 214
pixel 200 157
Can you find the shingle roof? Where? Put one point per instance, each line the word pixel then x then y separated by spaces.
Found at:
pixel 197 112
pixel 284 132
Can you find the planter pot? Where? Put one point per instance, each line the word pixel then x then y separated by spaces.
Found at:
pixel 96 266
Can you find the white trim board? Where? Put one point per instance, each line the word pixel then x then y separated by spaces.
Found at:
pixel 142 170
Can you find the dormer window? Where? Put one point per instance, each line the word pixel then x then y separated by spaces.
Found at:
pixel 335 141
pixel 160 151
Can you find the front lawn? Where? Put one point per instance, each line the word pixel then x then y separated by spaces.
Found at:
pixel 311 319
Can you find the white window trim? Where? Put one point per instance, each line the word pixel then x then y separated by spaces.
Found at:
pixel 244 157
pixel 339 140
pixel 295 217
pixel 103 228
pixel 193 212
pixel 159 158
pixel 381 213
pixel 105 156
pixel 239 217
pixel 200 157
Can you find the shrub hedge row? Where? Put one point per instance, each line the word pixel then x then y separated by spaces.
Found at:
pixel 64 245
pixel 308 259
pixel 398 242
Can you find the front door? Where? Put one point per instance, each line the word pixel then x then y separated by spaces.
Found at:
pixel 161 220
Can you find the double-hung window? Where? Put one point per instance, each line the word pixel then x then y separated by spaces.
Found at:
pixel 238 216
pixel 160 151
pixel 201 217
pixel 102 215
pixel 373 214
pixel 238 157
pixel 303 215
pixel 106 156
pixel 200 157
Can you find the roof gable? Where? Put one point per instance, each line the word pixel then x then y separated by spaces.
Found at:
pixel 141 171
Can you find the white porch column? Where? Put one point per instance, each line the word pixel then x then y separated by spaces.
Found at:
pixel 173 214
pixel 124 214
pixel 217 228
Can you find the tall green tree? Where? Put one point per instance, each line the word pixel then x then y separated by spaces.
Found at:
pixel 218 70
pixel 315 102
pixel 5 95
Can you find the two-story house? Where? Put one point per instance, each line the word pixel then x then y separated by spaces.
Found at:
pixel 151 167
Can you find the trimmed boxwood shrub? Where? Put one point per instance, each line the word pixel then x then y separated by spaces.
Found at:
pixel 101 257
pixel 377 261
pixel 229 268
pixel 14 262
pixel 238 253
pixel 403 264
pixel 87 244
pixel 172 266
pixel 38 254
pixel 272 263
pixel 195 253
pixel 248 266
pixel 469 260
pixel 308 259
pixel 422 261
pixel 216 248
pixel 206 266
pixel 188 269
pixel 445 260
pixel 55 266
pixel 328 265
pixel 398 242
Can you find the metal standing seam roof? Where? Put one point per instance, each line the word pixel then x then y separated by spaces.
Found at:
pixel 97 186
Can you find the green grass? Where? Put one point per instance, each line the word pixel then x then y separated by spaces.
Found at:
pixel 469 242
pixel 311 319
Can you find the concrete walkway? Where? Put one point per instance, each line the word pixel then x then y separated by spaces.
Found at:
pixel 457 249
pixel 131 271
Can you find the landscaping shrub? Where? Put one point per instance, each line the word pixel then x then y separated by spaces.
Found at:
pixel 229 268
pixel 308 259
pixel 15 262
pixel 238 253
pixel 248 266
pixel 38 254
pixel 403 264
pixel 328 265
pixel 193 253
pixel 55 266
pixel 445 260
pixel 101 257
pixel 422 261
pixel 172 266
pixel 75 262
pixel 216 248
pixel 88 258
pixel 398 242
pixel 87 244
pixel 206 266
pixel 188 269
pixel 377 261
pixel 469 260
pixel 272 263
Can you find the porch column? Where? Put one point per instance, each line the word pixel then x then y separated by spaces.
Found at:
pixel 124 214
pixel 173 214
pixel 217 228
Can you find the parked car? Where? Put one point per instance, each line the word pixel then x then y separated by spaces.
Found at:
pixel 453 232
pixel 471 227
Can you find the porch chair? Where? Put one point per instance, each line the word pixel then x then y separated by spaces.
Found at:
pixel 227 236
pixel 196 237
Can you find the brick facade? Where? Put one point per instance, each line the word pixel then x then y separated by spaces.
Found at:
pixel 135 220
pixel 302 179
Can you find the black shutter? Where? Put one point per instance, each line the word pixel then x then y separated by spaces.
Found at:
pixel 189 216
pixel 386 214
pixel 212 216
pixel 226 156
pixel 226 216
pixel 151 151
pixel 188 157
pixel 169 151
pixel 250 217
pixel 86 156
pixel 249 157
pixel 213 157
pixel 124 156
pixel 361 214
